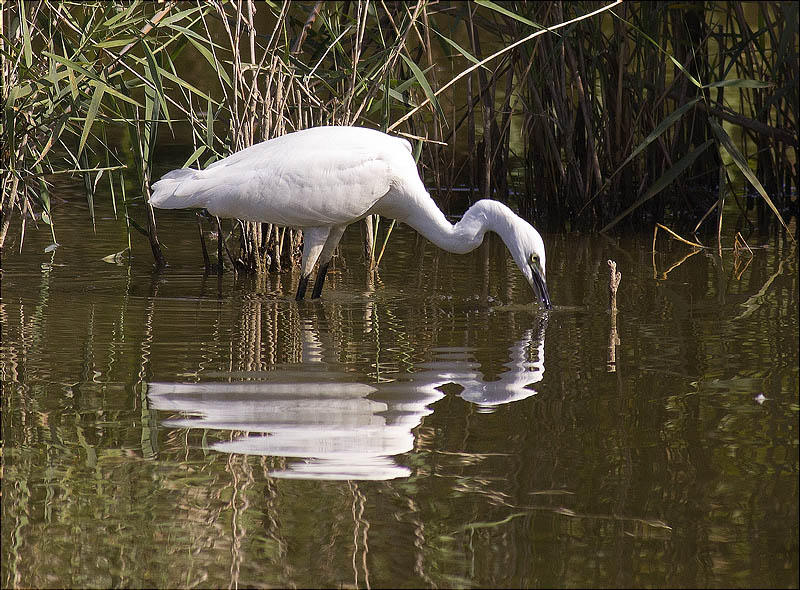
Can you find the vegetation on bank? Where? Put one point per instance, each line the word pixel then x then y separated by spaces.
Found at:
pixel 581 115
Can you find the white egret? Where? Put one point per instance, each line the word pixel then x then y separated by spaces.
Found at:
pixel 324 178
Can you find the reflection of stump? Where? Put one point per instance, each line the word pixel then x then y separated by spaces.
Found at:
pixel 613 337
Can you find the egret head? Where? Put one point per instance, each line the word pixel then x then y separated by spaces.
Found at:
pixel 528 253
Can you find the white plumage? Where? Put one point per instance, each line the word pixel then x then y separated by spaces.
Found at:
pixel 324 178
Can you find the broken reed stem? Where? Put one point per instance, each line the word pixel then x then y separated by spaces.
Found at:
pixel 674 235
pixel 613 336
pixel 739 246
pixel 613 284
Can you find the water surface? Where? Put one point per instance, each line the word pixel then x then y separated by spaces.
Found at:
pixel 429 428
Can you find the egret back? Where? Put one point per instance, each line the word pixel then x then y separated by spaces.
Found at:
pixel 316 177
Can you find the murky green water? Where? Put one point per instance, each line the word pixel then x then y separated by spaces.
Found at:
pixel 431 429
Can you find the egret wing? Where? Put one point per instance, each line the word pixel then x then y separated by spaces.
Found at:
pixel 321 176
pixel 311 189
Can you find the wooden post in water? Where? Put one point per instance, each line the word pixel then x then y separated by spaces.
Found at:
pixel 613 337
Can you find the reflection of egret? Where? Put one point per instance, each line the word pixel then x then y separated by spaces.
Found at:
pixel 458 367
pixel 343 430
pixel 325 178
pixel 344 433
pixel 513 384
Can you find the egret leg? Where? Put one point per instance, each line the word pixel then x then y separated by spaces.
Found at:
pixel 313 242
pixel 321 272
pixel 325 258
pixel 301 288
pixel 206 261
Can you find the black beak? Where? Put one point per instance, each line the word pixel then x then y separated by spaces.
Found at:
pixel 540 287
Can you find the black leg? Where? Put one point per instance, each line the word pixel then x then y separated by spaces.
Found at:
pixel 206 261
pixel 301 288
pixel 321 272
pixel 220 244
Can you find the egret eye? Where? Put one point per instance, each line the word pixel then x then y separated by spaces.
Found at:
pixel 534 259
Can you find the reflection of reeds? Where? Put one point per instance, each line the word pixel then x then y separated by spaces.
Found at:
pixel 184 501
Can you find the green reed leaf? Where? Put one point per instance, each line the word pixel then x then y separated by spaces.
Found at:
pixel 193 158
pixel 664 180
pixel 505 11
pixel 740 83
pixel 206 53
pixel 740 161
pixel 27 52
pixel 423 82
pixel 91 114
pixel 668 121
pixel 460 49
pixel 154 76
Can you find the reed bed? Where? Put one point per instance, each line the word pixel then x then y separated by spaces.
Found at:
pixel 582 115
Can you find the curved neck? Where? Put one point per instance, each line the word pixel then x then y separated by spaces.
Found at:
pixel 467 234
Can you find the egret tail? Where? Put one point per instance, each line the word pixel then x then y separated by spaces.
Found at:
pixel 179 189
